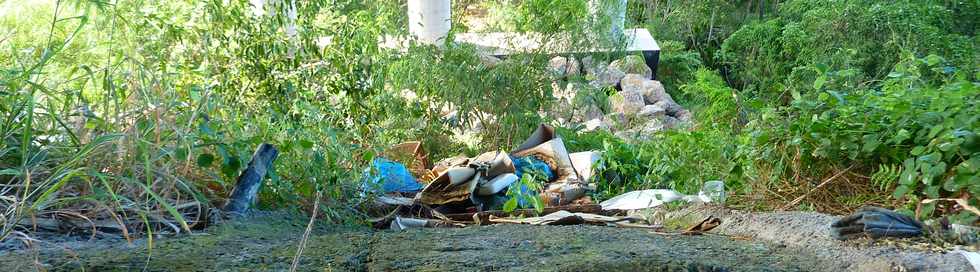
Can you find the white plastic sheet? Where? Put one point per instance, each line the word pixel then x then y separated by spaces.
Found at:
pixel 712 191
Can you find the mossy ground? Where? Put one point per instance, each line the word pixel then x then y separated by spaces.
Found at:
pixel 269 243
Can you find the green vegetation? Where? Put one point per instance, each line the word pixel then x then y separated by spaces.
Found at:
pixel 142 113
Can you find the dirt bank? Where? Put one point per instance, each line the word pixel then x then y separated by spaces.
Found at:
pixel 809 232
pixel 268 243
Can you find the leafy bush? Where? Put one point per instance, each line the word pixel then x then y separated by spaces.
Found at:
pixel 768 58
pixel 929 128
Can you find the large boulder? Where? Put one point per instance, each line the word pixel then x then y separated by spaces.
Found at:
pixel 652 112
pixel 614 120
pixel 562 67
pixel 632 64
pixel 607 77
pixel 670 106
pixel 633 82
pixel 654 125
pixel 629 103
pixel 591 66
pixel 655 92
pixel 586 112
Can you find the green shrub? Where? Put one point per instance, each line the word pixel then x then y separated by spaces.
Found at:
pixel 928 127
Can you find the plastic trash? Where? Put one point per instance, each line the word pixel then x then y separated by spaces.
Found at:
pixel 553 152
pixel 456 184
pixel 497 184
pixel 875 222
pixel 412 155
pixel 711 191
pixel 496 163
pixel 392 176
pixel 583 162
pixel 714 190
pixel 401 223
pixel 529 164
pixel 562 192
pixel 563 217
pixel 643 199
pixel 540 135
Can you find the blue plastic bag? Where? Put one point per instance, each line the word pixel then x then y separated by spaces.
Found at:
pixel 526 165
pixel 530 164
pixel 392 176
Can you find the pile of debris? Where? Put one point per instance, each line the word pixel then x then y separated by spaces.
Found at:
pixel 459 191
pixel 639 108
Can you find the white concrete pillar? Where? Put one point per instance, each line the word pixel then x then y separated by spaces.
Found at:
pixel 429 20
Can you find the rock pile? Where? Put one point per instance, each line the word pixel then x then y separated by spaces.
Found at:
pixel 639 108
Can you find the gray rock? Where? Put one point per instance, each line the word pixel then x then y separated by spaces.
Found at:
pixel 628 103
pixel 587 112
pixel 652 112
pixel 592 111
pixel 595 124
pixel 632 64
pixel 562 67
pixel 566 94
pixel 614 120
pixel 670 106
pixel 632 82
pixel 684 115
pixel 608 76
pixel 629 134
pixel 591 67
pixel 654 91
pixel 670 122
pixel 653 126
pixel 489 61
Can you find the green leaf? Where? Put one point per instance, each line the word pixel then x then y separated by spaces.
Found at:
pixel 900 191
pixel 818 83
pixel 933 60
pixel 932 191
pixel 927 209
pixel 510 205
pixel 954 184
pixel 9 172
pixel 205 160
pixel 901 136
pixel 822 68
pixel 538 203
pixel 870 143
pixel 796 95
pixel 306 144
pixel 918 150
pixel 947 146
pixel 935 130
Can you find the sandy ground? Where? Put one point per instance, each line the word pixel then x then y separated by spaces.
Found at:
pixel 792 241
